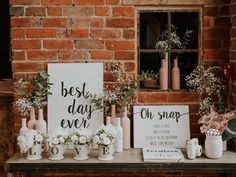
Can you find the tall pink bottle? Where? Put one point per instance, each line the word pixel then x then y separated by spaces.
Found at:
pixel 32 122
pixel 113 114
pixel 41 123
pixel 163 75
pixel 125 123
pixel 175 75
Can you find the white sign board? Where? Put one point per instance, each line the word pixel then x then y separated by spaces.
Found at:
pixel 161 126
pixel 68 107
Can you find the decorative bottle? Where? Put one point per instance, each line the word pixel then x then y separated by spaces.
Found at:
pixel 119 136
pixel 125 123
pixel 163 75
pixel 23 126
pixel 41 123
pixel 32 122
pixel 113 114
pixel 113 128
pixel 175 75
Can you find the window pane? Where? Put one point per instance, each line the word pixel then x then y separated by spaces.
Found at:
pixel 151 24
pixel 149 62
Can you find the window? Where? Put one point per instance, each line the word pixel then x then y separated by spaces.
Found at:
pixel 151 25
pixel 5 63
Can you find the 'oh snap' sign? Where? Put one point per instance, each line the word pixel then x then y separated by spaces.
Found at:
pixel 68 106
pixel 161 126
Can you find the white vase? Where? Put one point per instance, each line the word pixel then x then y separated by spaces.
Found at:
pixel 213 147
pixel 23 126
pixel 41 124
pixel 56 152
pixel 32 122
pixel 34 153
pixel 125 123
pixel 113 114
pixel 119 136
pixel 81 152
pixel 105 152
pixel 113 128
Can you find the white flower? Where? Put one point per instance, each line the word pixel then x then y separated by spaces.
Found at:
pixel 106 141
pixel 96 139
pixel 61 140
pixel 55 141
pixel 39 138
pixel 103 135
pixel 74 138
pixel 82 139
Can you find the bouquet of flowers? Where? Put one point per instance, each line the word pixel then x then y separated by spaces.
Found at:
pixel 29 138
pixel 104 136
pixel 81 137
pixel 23 105
pixel 212 121
pixel 56 140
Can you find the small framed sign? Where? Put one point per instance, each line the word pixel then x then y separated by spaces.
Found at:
pixel 161 126
pixel 68 106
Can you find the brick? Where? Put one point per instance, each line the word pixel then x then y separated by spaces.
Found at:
pixel 81 22
pixel 26 66
pixel 105 33
pixel 233 20
pixel 207 21
pixel 211 11
pixel 57 2
pixel 233 32
pixel 99 22
pixel 101 55
pixel 77 11
pixel 89 44
pixel 224 11
pixel 216 33
pixel 129 66
pixel 128 34
pixel 102 11
pixel 17 33
pixel 212 44
pixel 107 76
pixel 112 2
pixel 57 44
pixel 17 11
pixel 25 2
pixel 89 2
pixel 121 55
pixel 152 97
pixel 73 55
pixel 18 55
pixel 26 22
pixel 42 55
pixel 35 11
pixel 183 97
pixel 123 11
pixel 55 22
pixel 233 44
pixel 77 33
pixel 233 9
pixel 54 11
pixel 41 33
pixel 215 54
pixel 222 21
pixel 26 44
pixel 120 45
pixel 120 23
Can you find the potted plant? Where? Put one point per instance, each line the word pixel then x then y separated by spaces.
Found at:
pixel 104 138
pixel 81 140
pixel 149 79
pixel 30 141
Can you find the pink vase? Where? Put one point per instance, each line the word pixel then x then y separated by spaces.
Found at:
pixel 23 126
pixel 32 122
pixel 163 74
pixel 41 123
pixel 125 123
pixel 113 114
pixel 175 73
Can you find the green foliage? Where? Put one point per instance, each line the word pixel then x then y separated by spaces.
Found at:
pixel 148 75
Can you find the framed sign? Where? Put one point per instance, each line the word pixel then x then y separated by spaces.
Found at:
pixel 68 106
pixel 161 126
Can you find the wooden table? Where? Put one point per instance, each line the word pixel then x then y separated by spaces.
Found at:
pixel 128 161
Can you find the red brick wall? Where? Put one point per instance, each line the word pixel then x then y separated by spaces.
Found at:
pixel 46 31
